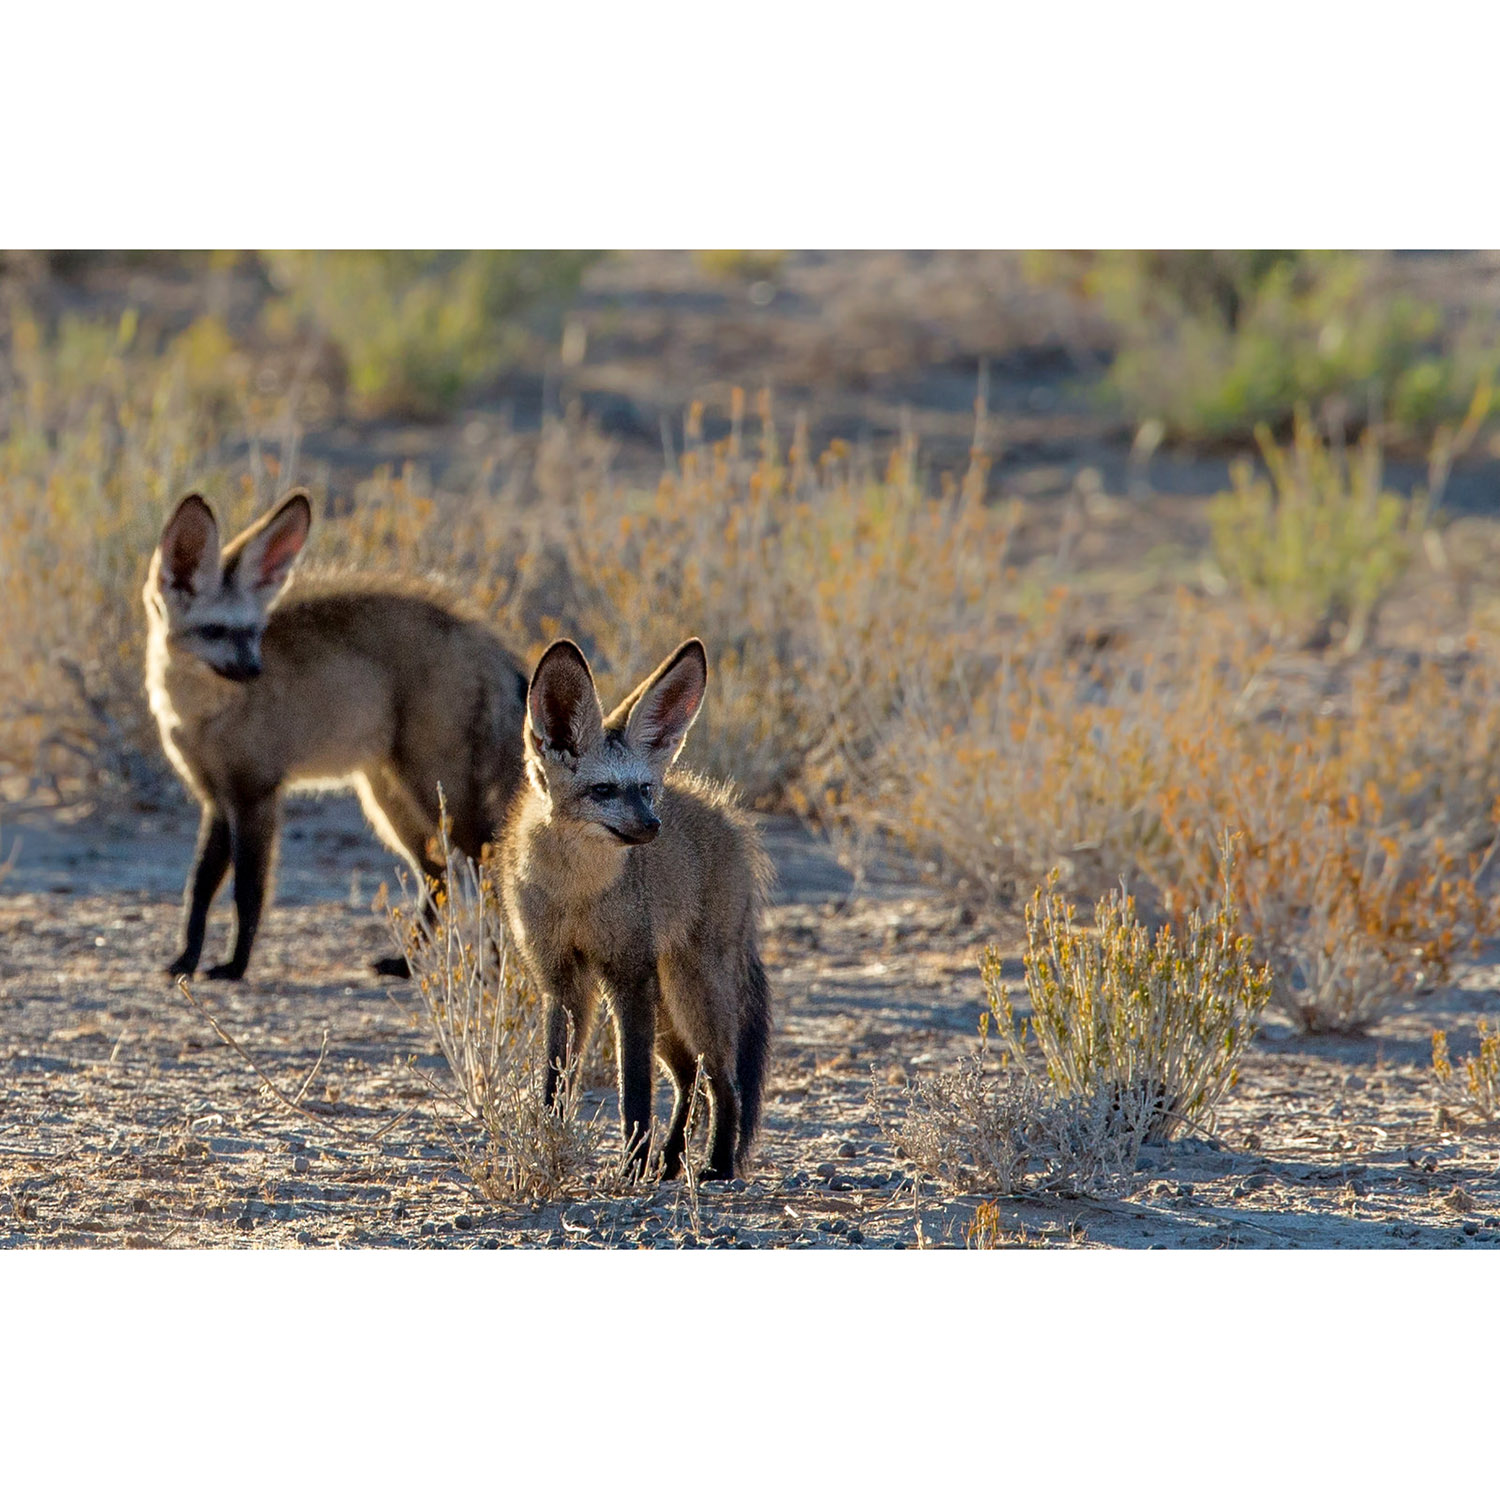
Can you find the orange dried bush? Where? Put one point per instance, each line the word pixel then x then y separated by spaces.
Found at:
pixel 1363 799
pixel 1475 1092
pixel 1040 751
pixel 815 581
pixel 1362 836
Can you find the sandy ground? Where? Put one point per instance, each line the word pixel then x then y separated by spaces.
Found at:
pixel 124 1121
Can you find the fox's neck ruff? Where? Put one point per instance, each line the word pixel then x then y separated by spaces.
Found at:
pixel 573 862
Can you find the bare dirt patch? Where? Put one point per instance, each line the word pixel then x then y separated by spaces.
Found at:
pixel 125 1122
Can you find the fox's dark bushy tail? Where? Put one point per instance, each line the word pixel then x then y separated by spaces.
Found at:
pixel 753 1053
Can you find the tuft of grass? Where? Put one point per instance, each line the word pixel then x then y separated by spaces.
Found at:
pixel 986 1231
pixel 419 328
pixel 1153 1026
pixel 1475 1093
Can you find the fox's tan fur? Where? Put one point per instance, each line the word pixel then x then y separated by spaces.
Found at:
pixel 379 683
pixel 666 925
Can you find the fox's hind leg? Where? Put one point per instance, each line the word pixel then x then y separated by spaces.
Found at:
pixel 701 1006
pixel 682 1065
pixel 210 866
pixel 403 827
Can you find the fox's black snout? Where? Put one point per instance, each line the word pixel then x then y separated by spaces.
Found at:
pixel 245 670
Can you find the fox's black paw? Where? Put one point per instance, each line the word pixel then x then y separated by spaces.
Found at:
pixel 181 968
pixel 226 971
pixel 392 968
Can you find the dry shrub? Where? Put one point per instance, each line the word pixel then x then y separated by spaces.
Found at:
pixel 1006 1131
pixel 1475 1094
pixel 1360 860
pixel 97 429
pixel 1042 751
pixel 1153 1026
pixel 490 1026
pixel 1363 797
pixel 813 581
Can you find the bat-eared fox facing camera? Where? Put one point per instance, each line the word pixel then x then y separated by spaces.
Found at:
pixel 627 878
pixel 260 682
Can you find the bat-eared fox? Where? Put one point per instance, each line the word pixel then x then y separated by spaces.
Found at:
pixel 258 685
pixel 623 875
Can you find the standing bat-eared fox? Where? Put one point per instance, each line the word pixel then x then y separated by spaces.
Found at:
pixel 623 875
pixel 333 680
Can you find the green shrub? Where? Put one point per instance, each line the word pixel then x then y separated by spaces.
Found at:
pixel 1318 542
pixel 1213 342
pixel 418 328
pixel 741 265
pixel 1140 1023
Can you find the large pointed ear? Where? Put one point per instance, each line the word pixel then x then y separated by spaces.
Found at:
pixel 262 557
pixel 190 547
pixel 658 714
pixel 563 717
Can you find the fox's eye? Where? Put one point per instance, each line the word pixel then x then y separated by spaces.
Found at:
pixel 604 791
pixel 646 789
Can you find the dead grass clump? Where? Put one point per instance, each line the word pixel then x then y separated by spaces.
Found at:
pixel 1475 1093
pixel 490 1026
pixel 1007 1131
pixel 1153 1026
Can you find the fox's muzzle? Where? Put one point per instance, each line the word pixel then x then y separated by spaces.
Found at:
pixel 242 669
pixel 641 833
pixel 643 825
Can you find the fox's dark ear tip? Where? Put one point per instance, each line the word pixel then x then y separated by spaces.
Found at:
pixel 297 499
pixel 557 651
pixel 191 501
pixel 563 647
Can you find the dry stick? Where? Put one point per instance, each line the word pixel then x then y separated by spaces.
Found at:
pixel 289 1103
pixel 307 1082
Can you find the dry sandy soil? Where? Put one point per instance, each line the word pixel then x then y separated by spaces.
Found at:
pixel 126 1122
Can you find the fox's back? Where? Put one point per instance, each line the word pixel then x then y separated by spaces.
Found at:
pixel 353 669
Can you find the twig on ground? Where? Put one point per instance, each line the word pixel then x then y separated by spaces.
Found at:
pixel 307 1111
